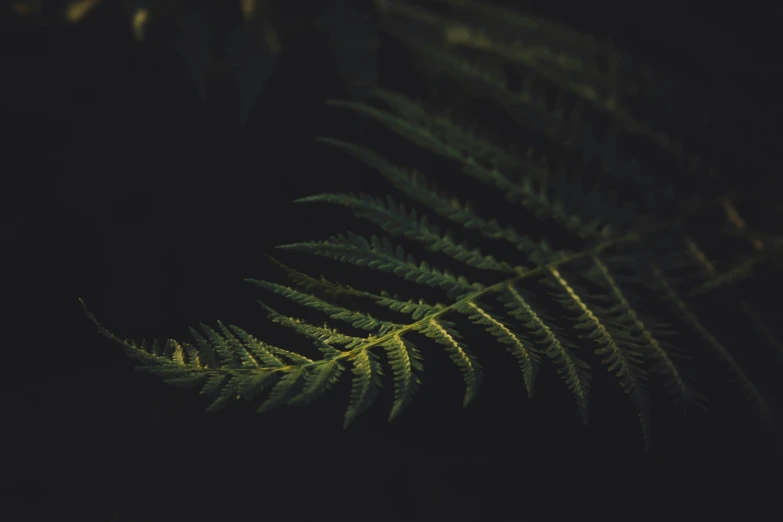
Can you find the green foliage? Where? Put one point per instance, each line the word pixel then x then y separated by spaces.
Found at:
pixel 630 241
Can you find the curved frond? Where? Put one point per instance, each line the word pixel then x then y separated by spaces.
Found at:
pixel 590 189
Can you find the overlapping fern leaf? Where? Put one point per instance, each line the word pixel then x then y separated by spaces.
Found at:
pixel 578 306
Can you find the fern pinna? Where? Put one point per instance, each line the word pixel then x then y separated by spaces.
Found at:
pixel 613 198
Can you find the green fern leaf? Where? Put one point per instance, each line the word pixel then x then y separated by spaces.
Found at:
pixel 403 359
pixel 522 350
pixel 366 385
pixel 603 221
pixel 572 370
pixel 458 353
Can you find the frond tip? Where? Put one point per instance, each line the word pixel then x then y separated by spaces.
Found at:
pixel 231 364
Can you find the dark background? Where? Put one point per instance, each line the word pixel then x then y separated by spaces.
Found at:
pixel 121 187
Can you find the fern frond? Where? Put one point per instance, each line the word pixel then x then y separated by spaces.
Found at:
pixel 627 319
pixel 599 227
pixel 523 352
pixel 394 218
pixel 532 190
pixel 356 319
pixel 619 350
pixel 381 254
pixel 366 385
pixel 308 282
pixel 444 334
pixel 413 185
pixel 739 375
pixel 574 371
pixel 403 358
